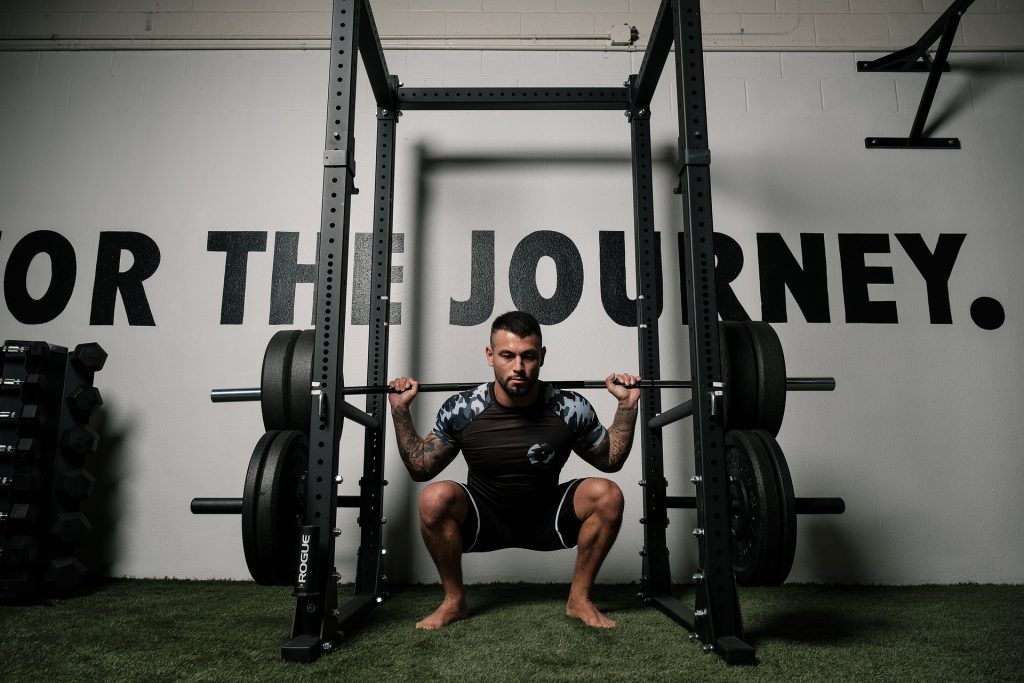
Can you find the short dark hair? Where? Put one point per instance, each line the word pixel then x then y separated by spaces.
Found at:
pixel 518 323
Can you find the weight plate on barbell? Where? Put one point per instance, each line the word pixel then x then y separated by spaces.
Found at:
pixel 742 388
pixel 723 363
pixel 300 380
pixel 273 504
pixel 754 509
pixel 282 504
pixel 787 509
pixel 285 391
pixel 771 376
pixel 250 505
pixel 274 379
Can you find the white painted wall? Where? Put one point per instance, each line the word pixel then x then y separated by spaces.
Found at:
pixel 921 437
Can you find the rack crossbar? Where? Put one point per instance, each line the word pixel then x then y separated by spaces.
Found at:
pixel 513 98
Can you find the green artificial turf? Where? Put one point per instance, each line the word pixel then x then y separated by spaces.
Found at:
pixel 150 630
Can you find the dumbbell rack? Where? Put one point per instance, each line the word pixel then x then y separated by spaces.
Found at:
pixel 319 623
pixel 46 399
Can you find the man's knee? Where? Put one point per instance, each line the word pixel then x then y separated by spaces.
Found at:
pixel 603 497
pixel 440 501
pixel 612 501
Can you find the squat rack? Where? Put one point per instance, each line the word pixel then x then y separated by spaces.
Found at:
pixel 319 623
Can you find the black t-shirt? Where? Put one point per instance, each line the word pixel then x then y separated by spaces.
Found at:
pixel 515 454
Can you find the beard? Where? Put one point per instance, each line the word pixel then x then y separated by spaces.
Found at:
pixel 520 388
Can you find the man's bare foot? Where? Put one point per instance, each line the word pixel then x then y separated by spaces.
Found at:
pixel 450 609
pixel 584 610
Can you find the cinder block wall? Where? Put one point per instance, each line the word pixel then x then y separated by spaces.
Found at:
pixel 518 24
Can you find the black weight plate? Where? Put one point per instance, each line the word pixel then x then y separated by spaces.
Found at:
pixel 787 508
pixel 281 502
pixel 723 361
pixel 275 385
pixel 743 387
pixel 250 508
pixel 299 393
pixel 771 376
pixel 754 509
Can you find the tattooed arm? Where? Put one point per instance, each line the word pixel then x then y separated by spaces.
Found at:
pixel 423 457
pixel 609 455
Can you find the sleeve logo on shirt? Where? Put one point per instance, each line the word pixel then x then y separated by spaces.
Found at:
pixel 541 454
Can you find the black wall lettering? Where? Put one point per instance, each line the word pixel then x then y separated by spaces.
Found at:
pixel 619 307
pixel 935 268
pixel 522 276
pixel 857 276
pixel 361 274
pixel 478 307
pixel 780 270
pixel 728 264
pixel 63 269
pixel 236 245
pixel 784 274
pixel 288 273
pixel 110 280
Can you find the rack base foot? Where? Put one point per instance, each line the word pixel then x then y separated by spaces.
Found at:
pixel 734 651
pixel 304 649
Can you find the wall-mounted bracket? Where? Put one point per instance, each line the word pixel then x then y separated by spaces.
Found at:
pixel 916 58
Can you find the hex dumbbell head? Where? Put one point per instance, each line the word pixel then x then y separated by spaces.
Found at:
pixel 29 479
pixel 34 383
pixel 66 574
pixel 89 356
pixel 76 483
pixel 81 439
pixel 32 349
pixel 22 514
pixel 18 551
pixel 16 586
pixel 32 413
pixel 85 398
pixel 71 528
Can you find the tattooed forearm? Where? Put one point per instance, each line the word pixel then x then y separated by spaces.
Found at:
pixel 424 458
pixel 610 454
pixel 620 435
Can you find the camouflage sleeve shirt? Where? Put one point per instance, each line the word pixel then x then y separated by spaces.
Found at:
pixel 515 454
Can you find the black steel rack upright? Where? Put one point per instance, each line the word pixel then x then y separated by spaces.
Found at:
pixel 319 622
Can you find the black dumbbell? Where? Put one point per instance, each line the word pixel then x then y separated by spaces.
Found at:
pixel 81 440
pixel 89 356
pixel 71 528
pixel 85 398
pixel 22 481
pixel 20 514
pixel 76 483
pixel 30 413
pixel 18 550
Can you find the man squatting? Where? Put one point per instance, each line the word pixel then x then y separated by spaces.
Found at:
pixel 516 434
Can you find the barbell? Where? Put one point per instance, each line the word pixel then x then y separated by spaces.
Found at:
pixel 753 366
pixel 256 393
